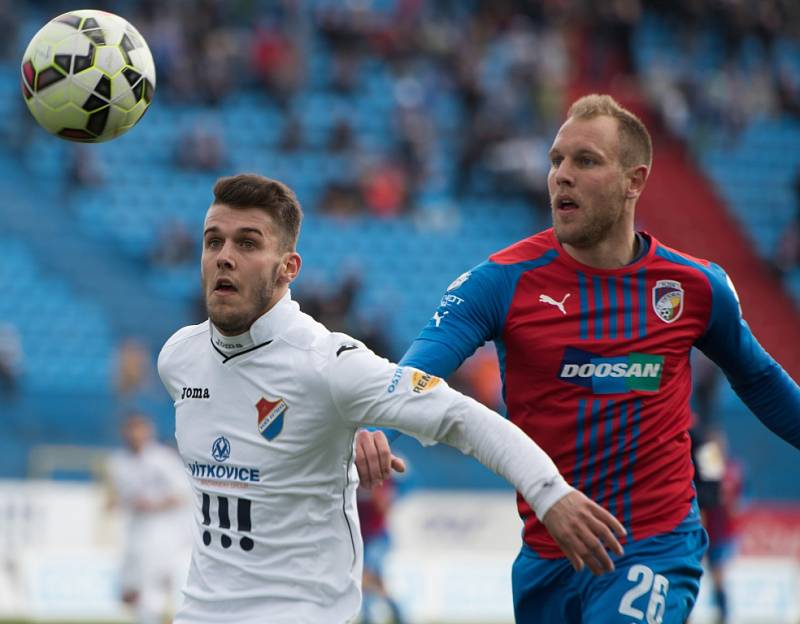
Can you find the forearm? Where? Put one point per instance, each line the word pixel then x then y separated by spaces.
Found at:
pixel 505 449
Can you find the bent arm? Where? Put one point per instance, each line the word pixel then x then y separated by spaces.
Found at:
pixel 762 384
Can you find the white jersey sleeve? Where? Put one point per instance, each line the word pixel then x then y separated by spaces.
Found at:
pixel 369 390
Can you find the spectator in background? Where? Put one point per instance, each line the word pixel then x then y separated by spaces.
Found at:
pixel 175 246
pixel 344 28
pixel 384 187
pixel 341 198
pixel 10 25
pixel 706 378
pixel 373 509
pixel 341 139
pixel 479 377
pixel 276 62
pixel 201 147
pixel 85 171
pixel 148 483
pixel 133 368
pixel 787 257
pixel 292 136
pixel 718 480
pixel 10 360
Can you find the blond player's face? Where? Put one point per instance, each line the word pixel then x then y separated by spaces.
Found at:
pixel 240 266
pixel 586 181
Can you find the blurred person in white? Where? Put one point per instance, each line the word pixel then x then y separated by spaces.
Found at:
pixel 148 482
pixel 268 402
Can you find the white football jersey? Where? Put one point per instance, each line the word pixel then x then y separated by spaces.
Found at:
pixel 267 432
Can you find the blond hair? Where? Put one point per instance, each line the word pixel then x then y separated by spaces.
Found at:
pixel 636 147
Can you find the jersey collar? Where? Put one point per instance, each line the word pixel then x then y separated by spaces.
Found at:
pixel 268 326
pixel 630 268
pixel 262 332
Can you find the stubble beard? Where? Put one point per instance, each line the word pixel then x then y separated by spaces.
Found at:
pixel 233 321
pixel 596 223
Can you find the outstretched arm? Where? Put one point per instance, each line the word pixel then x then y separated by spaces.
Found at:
pixel 368 390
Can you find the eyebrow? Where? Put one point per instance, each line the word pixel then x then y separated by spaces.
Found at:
pixel 241 230
pixel 581 151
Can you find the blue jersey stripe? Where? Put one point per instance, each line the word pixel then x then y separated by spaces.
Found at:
pixel 597 286
pixel 591 458
pixel 635 416
pixel 617 485
pixel 584 316
pixel 612 308
pixel 576 478
pixel 640 276
pixel 608 416
pixel 626 304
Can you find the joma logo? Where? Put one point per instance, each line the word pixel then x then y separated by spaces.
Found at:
pixel 195 393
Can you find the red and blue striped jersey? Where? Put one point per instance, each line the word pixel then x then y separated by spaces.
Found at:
pixel 595 368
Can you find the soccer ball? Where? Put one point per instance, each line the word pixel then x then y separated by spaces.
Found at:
pixel 88 76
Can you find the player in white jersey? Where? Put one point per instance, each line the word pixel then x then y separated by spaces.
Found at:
pixel 149 483
pixel 268 402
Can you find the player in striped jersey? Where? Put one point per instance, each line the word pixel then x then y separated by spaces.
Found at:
pixel 594 323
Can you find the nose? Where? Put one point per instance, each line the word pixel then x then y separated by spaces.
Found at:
pixel 563 174
pixel 225 257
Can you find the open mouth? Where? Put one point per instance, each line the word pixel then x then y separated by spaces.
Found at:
pixel 566 203
pixel 224 286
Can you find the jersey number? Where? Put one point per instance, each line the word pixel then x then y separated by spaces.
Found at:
pixel 243 524
pixel 656 584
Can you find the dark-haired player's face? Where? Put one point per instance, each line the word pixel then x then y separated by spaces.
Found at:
pixel 586 181
pixel 240 267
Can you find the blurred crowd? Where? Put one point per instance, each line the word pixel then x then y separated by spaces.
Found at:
pixel 726 66
pixel 505 65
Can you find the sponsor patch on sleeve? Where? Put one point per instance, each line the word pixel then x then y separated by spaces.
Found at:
pixel 458 281
pixel 422 382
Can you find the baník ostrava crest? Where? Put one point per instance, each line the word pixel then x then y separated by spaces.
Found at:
pixel 271 414
pixel 668 300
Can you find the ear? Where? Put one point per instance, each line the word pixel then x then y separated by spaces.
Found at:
pixel 635 180
pixel 290 267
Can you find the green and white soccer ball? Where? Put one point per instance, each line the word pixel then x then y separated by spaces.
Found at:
pixel 88 76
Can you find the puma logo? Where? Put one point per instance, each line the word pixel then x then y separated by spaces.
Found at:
pixel 553 302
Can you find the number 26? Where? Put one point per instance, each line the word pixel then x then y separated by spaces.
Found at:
pixel 656 584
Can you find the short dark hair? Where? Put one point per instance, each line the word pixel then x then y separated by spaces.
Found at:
pixel 249 190
pixel 636 147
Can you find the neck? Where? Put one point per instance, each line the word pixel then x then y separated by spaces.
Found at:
pixel 613 252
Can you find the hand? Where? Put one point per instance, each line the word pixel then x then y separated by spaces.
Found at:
pixel 583 531
pixel 374 459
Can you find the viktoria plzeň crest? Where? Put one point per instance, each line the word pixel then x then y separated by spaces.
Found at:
pixel 271 414
pixel 668 300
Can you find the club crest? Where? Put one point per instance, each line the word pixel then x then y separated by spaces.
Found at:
pixel 271 414
pixel 668 300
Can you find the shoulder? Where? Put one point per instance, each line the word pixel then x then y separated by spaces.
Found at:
pixel 719 286
pixel 496 278
pixel 539 247
pixel 183 336
pixel 182 341
pixel 313 348
pixel 709 271
pixel 304 334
